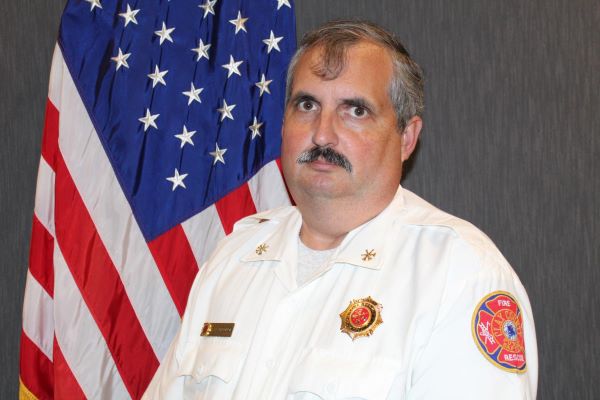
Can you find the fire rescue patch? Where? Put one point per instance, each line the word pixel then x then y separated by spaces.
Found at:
pixel 498 331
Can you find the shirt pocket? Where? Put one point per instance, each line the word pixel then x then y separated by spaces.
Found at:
pixel 211 357
pixel 324 374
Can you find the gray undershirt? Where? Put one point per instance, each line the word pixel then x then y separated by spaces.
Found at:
pixel 311 262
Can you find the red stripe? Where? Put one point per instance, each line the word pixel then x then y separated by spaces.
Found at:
pixel 41 264
pixel 176 263
pixel 235 206
pixel 65 384
pixel 50 137
pixel 101 286
pixel 36 369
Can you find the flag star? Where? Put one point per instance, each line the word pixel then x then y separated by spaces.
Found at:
pixel 218 154
pixel 281 3
pixel 158 76
pixel 193 94
pixel 177 180
pixel 129 15
pixel 255 128
pixel 272 42
pixel 226 110
pixel 185 137
pixel 149 120
pixel 94 4
pixel 208 7
pixel 239 23
pixel 232 67
pixel 263 85
pixel 121 59
pixel 202 50
pixel 164 34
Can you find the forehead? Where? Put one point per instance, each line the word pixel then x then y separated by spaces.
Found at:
pixel 365 65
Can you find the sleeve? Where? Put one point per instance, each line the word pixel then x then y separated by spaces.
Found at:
pixel 167 382
pixel 483 343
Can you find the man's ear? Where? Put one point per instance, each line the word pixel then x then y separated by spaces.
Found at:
pixel 410 136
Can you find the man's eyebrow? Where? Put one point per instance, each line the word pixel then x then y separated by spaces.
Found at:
pixel 359 102
pixel 302 96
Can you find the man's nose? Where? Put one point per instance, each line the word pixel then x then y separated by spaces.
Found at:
pixel 326 129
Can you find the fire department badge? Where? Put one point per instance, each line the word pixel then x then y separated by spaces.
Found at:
pixel 361 317
pixel 498 331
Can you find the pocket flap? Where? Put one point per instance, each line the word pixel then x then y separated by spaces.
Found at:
pixel 211 357
pixel 333 376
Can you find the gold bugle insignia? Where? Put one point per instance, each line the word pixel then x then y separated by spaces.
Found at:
pixel 218 329
pixel 361 317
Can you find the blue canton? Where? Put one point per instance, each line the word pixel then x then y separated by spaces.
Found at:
pixel 186 96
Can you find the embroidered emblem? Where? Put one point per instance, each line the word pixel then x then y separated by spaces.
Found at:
pixel 361 317
pixel 262 248
pixel 368 255
pixel 497 327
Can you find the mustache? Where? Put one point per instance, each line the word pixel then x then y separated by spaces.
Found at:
pixel 328 154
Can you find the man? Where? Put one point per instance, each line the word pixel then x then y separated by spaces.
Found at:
pixel 363 290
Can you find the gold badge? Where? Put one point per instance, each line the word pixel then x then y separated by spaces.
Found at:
pixel 361 317
pixel 261 248
pixel 368 255
pixel 218 329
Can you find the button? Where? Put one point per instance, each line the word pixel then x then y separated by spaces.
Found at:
pixel 270 363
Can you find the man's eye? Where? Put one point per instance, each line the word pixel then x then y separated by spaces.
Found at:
pixel 358 111
pixel 306 105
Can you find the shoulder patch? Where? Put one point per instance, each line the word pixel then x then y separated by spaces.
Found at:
pixel 497 327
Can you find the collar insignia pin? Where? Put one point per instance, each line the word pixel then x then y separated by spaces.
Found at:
pixel 368 255
pixel 361 317
pixel 262 248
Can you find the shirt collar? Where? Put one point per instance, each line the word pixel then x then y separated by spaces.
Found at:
pixel 364 246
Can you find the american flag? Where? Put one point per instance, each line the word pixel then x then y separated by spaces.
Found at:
pixel 163 127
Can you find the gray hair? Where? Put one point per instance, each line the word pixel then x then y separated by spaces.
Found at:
pixel 335 37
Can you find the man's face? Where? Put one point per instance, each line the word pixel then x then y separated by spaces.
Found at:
pixel 353 116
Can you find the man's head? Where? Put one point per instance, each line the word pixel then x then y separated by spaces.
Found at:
pixel 353 106
pixel 406 87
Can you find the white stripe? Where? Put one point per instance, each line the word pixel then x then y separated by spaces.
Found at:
pixel 203 231
pixel 80 341
pixel 44 196
pixel 38 316
pixel 268 189
pixel 97 184
pixel 56 74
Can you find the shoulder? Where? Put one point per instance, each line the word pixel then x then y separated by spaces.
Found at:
pixel 470 248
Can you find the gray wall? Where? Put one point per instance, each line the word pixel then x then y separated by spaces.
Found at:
pixel 510 143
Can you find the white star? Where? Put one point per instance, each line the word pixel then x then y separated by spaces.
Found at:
pixel 202 50
pixel 164 33
pixel 94 4
pixel 177 180
pixel 272 42
pixel 193 94
pixel 239 23
pixel 208 7
pixel 226 110
pixel 218 154
pixel 148 120
pixel 255 128
pixel 185 137
pixel 121 59
pixel 281 3
pixel 232 67
pixel 129 15
pixel 158 76
pixel 263 85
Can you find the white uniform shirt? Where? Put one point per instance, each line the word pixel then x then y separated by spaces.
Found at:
pixel 430 271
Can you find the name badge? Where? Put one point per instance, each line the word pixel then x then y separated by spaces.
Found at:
pixel 217 329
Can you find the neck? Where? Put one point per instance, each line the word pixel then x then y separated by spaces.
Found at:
pixel 326 222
